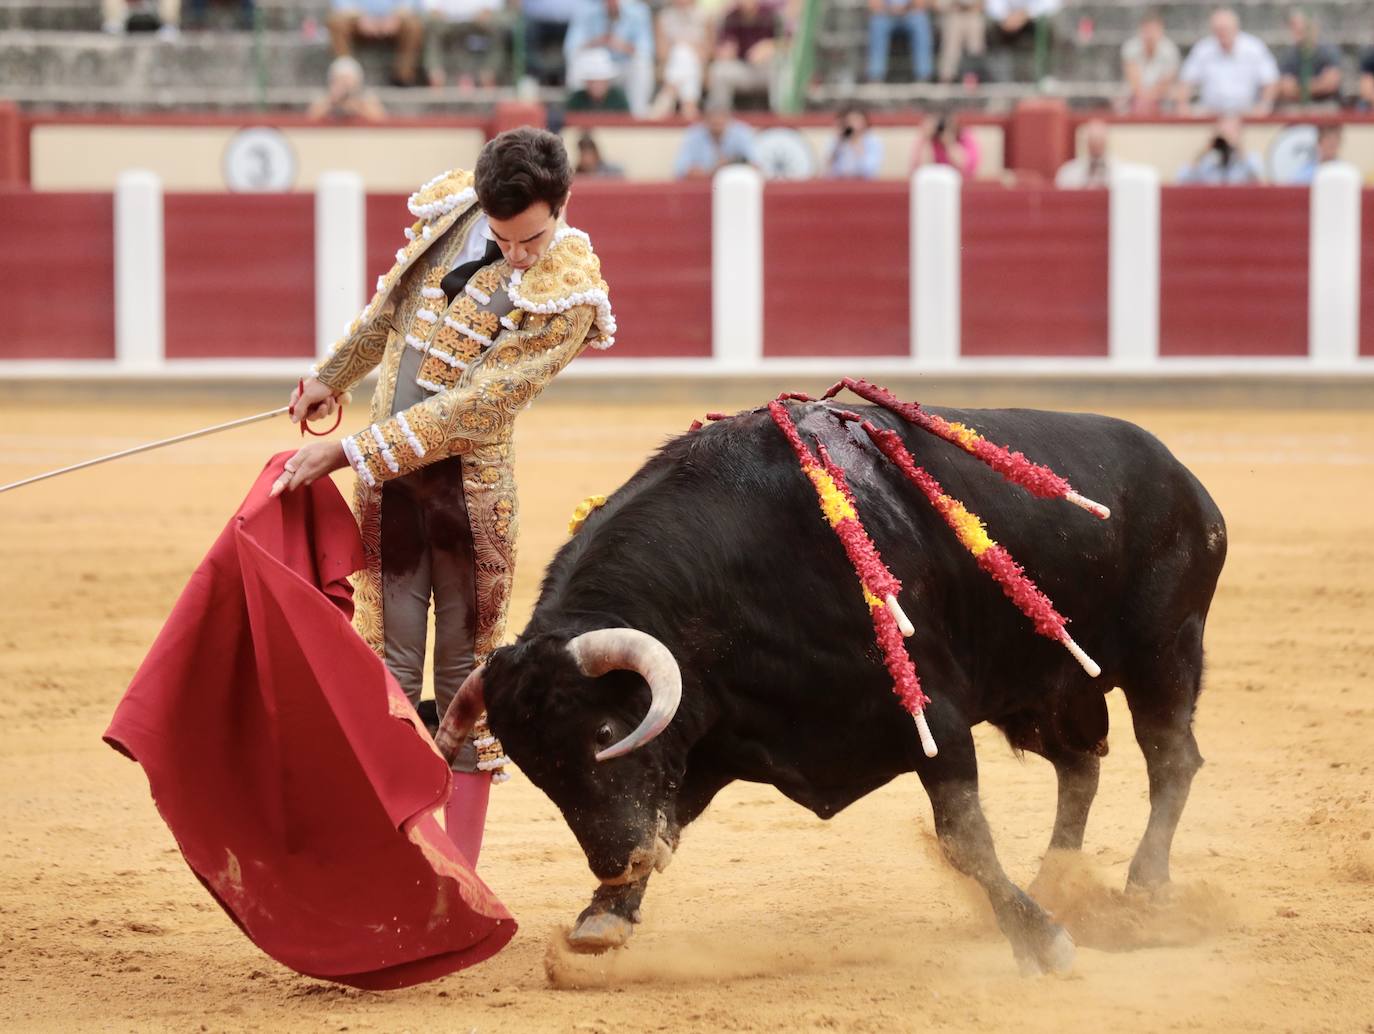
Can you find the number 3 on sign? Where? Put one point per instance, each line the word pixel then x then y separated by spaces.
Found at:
pixel 259 159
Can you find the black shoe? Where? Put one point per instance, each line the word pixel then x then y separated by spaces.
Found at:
pixel 429 714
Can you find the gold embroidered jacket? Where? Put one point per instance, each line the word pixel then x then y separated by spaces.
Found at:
pixel 482 369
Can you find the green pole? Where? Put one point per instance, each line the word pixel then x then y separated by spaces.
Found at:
pixel 802 59
pixel 1042 48
pixel 517 48
pixel 259 59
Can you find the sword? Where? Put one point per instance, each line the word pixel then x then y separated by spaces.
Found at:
pixel 148 446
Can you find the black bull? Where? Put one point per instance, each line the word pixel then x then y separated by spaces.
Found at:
pixel 717 550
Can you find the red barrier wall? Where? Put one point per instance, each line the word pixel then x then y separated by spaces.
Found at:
pixel 240 275
pixel 1034 271
pixel 387 218
pixel 836 267
pixel 57 265
pixel 654 241
pixel 1367 274
pixel 1233 271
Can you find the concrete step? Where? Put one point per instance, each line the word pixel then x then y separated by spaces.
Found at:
pixel 193 60
pixel 420 102
pixel 86 16
pixel 66 15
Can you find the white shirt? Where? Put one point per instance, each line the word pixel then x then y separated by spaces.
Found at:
pixel 998 10
pixel 1230 83
pixel 460 11
pixel 476 244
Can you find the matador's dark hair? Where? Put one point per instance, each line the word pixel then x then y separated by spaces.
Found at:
pixel 520 167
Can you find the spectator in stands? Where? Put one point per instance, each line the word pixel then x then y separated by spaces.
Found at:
pixel 944 140
pixel 962 32
pixel 546 30
pixel 857 153
pixel 1149 61
pixel 590 163
pixel 1224 161
pixel 474 33
pixel 196 15
pixel 717 140
pixel 380 20
pixel 683 48
pixel 595 70
pixel 1020 36
pixel 1309 70
pixel 886 17
pixel 1329 135
pixel 746 49
pixel 1366 100
pixel 141 15
pixel 1092 168
pixel 345 97
pixel 1232 72
pixel 625 30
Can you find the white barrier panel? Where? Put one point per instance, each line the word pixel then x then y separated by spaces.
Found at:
pixel 1333 279
pixel 139 273
pixel 340 254
pixel 935 275
pixel 1133 267
pixel 737 267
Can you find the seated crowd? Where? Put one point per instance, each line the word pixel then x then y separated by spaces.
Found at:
pixel 699 59
pixel 665 57
pixel 610 55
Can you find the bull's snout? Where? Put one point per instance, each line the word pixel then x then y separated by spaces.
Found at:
pixel 643 859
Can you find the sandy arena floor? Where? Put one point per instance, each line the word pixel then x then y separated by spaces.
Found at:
pixel 768 920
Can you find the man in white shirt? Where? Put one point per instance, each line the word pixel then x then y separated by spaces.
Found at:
pixel 1232 72
pixel 1093 168
pixel 1149 61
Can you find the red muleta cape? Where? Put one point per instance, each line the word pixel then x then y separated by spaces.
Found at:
pixel 297 780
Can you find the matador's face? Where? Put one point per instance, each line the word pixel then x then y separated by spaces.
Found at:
pixel 524 238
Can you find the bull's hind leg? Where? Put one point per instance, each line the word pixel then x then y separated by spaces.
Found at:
pixel 1162 696
pixel 951 780
pixel 1076 773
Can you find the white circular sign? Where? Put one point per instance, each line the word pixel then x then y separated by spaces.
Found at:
pixel 1292 151
pixel 259 159
pixel 782 153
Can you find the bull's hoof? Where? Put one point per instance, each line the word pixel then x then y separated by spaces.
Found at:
pixel 600 932
pixel 1055 957
pixel 1058 958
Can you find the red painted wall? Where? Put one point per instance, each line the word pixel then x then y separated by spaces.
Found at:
pixel 836 265
pixel 1233 271
pixel 654 241
pixel 1367 274
pixel 1034 272
pixel 387 218
pixel 240 275
pixel 57 265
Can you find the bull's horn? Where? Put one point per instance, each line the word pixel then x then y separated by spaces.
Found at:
pixel 462 714
pixel 628 649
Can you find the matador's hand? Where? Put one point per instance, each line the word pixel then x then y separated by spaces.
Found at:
pixel 312 400
pixel 310 463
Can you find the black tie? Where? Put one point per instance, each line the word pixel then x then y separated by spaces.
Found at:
pixel 456 279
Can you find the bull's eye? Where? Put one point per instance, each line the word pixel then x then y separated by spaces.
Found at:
pixel 605 735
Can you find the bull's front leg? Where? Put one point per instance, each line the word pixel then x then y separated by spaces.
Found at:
pixel 614 910
pixel 951 779
pixel 609 920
